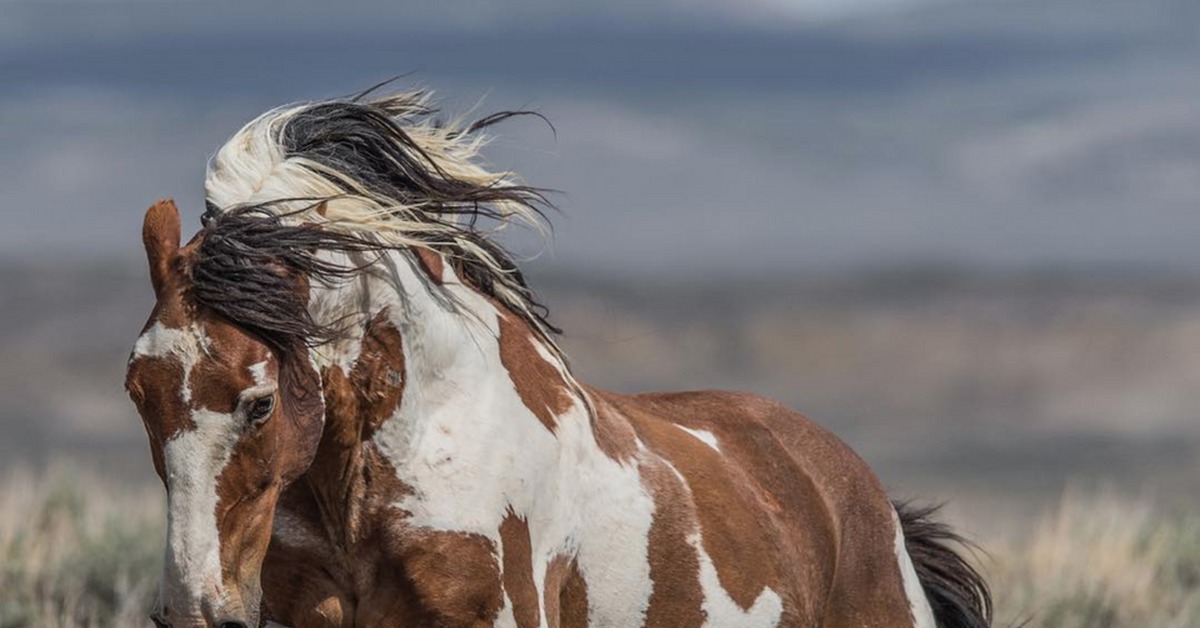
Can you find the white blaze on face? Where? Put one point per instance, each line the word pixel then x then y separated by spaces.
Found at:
pixel 917 601
pixel 193 459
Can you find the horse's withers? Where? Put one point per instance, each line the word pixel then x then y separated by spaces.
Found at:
pixel 228 431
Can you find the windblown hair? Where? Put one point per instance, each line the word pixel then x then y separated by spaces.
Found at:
pixel 957 593
pixel 251 268
pixel 355 176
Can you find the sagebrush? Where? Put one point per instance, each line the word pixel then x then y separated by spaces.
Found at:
pixel 78 551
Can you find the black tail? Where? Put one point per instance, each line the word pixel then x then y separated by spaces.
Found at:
pixel 957 593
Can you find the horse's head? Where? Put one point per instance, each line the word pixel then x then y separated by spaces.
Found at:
pixel 232 419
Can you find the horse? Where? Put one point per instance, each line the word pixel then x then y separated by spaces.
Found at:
pixel 362 417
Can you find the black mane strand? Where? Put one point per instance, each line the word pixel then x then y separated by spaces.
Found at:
pixel 253 269
pixel 253 262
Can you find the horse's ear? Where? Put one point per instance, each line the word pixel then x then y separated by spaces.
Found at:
pixel 160 235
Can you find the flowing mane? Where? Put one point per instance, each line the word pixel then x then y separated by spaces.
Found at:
pixel 350 175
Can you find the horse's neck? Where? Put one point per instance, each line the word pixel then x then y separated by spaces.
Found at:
pixel 424 391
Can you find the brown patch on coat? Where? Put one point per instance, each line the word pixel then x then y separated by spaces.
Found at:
pixel 305 583
pixel 432 262
pixel 738 530
pixel 518 570
pixel 866 587
pixel 539 383
pixel 820 531
pixel 455 577
pixel 614 435
pixel 342 417
pixel 735 534
pixel 677 597
pixel 382 489
pixel 348 470
pixel 219 377
pixel 565 594
pixel 378 374
pixel 326 565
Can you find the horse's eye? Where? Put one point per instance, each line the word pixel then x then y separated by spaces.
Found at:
pixel 260 409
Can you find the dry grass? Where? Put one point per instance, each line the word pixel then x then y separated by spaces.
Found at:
pixel 1100 561
pixel 78 551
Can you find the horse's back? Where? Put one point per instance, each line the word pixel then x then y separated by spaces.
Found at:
pixel 786 513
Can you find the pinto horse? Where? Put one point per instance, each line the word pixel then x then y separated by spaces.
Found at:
pixel 362 418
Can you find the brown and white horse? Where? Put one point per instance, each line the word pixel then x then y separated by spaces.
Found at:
pixel 362 418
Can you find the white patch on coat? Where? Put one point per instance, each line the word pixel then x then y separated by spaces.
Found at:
pixel 720 607
pixel 917 602
pixel 704 436
pixel 505 617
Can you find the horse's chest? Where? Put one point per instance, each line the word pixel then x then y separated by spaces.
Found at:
pixel 421 578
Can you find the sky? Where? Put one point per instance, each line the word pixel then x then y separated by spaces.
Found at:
pixel 689 137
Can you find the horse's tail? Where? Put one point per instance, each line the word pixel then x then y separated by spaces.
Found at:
pixel 957 593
